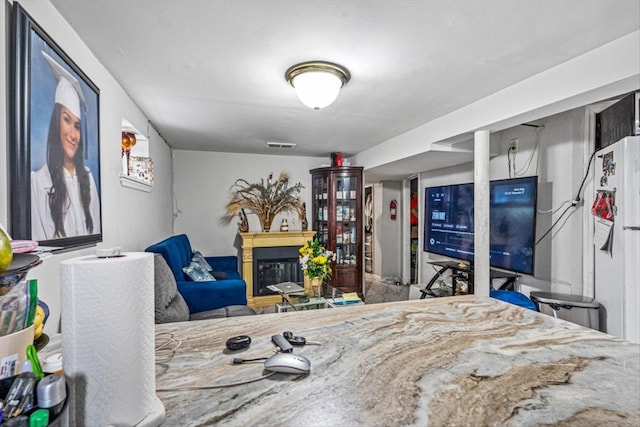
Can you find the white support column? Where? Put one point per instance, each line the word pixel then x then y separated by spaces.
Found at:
pixel 481 272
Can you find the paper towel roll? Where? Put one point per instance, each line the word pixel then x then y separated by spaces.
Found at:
pixel 108 339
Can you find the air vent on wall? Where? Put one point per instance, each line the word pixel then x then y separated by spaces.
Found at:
pixel 281 145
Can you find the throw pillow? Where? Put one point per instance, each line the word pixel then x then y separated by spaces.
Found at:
pixel 219 275
pixel 197 273
pixel 198 258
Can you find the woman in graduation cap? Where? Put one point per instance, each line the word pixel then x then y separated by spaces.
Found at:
pixel 64 198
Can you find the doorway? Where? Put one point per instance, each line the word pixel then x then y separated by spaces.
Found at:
pixel 368 229
pixel 413 227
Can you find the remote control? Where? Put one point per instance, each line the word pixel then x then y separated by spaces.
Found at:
pixel 282 343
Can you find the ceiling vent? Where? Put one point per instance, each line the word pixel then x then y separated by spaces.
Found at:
pixel 290 145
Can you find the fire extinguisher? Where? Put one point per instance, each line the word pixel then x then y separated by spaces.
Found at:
pixel 393 209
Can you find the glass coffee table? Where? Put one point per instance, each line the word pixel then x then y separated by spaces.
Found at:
pixel 294 304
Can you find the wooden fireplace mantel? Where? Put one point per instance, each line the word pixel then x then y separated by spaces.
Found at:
pixel 270 239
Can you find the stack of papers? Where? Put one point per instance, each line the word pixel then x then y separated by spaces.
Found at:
pixel 351 297
pixel 346 299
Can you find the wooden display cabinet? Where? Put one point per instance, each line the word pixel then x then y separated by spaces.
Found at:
pixel 337 220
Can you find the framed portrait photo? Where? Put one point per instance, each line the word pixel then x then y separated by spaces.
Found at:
pixel 54 155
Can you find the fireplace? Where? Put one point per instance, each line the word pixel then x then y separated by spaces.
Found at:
pixel 275 265
pixel 279 263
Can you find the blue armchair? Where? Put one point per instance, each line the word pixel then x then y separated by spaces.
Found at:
pixel 229 290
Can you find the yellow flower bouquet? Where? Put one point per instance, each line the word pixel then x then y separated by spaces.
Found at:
pixel 315 262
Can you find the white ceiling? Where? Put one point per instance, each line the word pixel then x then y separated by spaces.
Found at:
pixel 210 74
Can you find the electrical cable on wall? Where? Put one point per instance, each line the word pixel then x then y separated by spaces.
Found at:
pixel 513 149
pixel 554 210
pixel 573 202
pixel 538 137
pixel 536 149
pixel 554 223
pixel 577 198
pixel 176 208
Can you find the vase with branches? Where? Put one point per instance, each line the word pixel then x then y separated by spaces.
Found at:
pixel 266 198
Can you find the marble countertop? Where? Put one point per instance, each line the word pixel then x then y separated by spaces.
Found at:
pixel 447 361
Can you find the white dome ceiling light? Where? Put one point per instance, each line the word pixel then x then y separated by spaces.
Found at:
pixel 317 83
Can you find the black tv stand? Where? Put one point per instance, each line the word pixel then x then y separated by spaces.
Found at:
pixel 464 271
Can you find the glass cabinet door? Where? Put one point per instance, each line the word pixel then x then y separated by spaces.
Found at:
pixel 321 209
pixel 346 231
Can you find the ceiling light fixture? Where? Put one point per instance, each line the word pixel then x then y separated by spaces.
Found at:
pixel 317 83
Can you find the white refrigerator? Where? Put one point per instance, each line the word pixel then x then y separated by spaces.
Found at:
pixel 616 209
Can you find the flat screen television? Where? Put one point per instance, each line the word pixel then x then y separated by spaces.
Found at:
pixel 448 222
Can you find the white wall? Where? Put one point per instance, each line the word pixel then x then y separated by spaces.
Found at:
pixel 387 238
pixel 563 157
pixel 130 219
pixel 202 185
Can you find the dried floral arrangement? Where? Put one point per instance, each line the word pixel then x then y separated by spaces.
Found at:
pixel 267 199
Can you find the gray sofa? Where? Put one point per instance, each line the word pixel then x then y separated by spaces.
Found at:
pixel 170 306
